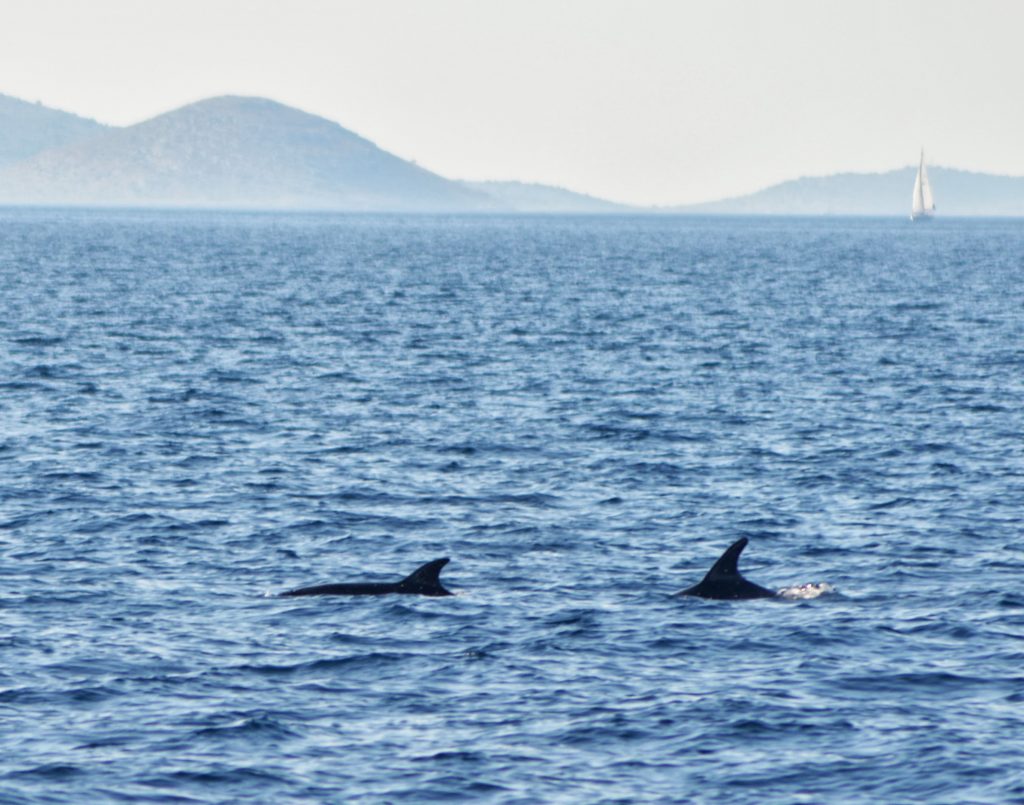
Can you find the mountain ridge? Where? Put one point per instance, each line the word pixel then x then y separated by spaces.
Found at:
pixel 957 193
pixel 27 128
pixel 542 198
pixel 239 152
pixel 234 152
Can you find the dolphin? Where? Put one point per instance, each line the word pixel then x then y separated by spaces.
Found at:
pixel 724 579
pixel 424 580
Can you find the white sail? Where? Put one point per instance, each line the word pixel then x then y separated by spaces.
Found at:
pixel 923 205
pixel 926 188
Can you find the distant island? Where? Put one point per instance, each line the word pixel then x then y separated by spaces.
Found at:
pixel 254 153
pixel 957 193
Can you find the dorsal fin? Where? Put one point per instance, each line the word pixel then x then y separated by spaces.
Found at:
pixel 727 564
pixel 724 579
pixel 425 580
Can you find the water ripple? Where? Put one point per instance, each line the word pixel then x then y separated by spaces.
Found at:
pixel 200 411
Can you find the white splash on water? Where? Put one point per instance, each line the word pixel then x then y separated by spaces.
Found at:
pixel 807 591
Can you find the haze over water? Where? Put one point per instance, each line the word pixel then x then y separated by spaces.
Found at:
pixel 199 410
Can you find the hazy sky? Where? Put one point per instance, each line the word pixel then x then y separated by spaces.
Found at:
pixel 648 101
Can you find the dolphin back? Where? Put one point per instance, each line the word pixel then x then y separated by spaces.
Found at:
pixel 423 581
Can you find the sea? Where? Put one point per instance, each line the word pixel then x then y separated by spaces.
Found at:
pixel 201 410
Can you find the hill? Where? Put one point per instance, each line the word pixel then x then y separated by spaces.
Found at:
pixel 540 198
pixel 957 192
pixel 254 153
pixel 28 128
pixel 233 152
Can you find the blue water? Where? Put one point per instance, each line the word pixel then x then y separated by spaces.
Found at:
pixel 198 411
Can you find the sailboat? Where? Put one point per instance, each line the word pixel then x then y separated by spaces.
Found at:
pixel 923 207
